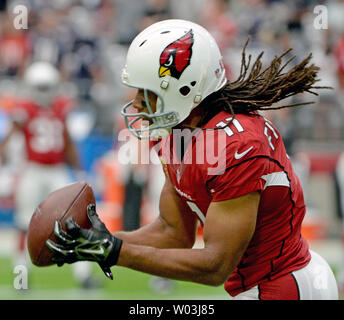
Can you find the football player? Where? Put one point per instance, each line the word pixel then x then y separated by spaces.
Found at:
pixel 226 166
pixel 41 118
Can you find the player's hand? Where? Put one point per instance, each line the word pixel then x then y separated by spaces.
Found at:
pixel 77 244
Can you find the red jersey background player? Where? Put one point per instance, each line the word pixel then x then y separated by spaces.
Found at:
pixel 41 119
pixel 225 166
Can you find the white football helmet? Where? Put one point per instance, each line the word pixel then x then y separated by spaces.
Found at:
pixel 42 79
pixel 180 62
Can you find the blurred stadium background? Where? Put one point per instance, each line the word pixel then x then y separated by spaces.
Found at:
pixel 87 41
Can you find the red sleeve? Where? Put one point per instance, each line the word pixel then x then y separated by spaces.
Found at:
pixel 21 112
pixel 251 144
pixel 247 160
pixel 239 179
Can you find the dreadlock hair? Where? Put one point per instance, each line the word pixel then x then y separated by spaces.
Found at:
pixel 260 89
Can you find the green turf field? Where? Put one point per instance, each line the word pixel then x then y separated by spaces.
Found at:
pixel 50 283
pixel 54 283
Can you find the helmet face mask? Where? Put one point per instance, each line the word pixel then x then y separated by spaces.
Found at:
pixel 180 62
pixel 43 95
pixel 152 123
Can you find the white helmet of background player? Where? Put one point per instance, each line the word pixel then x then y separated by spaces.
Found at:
pixel 42 79
pixel 181 63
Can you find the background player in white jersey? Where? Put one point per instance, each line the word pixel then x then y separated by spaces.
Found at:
pixel 249 200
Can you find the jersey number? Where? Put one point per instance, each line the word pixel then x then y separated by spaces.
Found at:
pixel 47 135
pixel 269 131
pixel 226 128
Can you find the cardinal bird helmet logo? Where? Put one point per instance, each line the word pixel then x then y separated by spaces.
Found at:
pixel 176 56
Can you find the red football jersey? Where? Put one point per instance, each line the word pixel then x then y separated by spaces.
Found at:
pixel 339 54
pixel 246 156
pixel 43 129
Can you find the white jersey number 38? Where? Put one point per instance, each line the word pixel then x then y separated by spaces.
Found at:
pixel 47 135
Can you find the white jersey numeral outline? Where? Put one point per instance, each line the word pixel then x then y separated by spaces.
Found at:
pixel 194 208
pixel 227 129
pixel 267 129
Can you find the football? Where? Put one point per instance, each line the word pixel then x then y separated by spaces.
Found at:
pixel 69 201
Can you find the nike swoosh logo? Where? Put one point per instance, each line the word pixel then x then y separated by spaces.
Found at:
pixel 240 155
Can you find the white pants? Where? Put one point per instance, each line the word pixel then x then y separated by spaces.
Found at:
pixel 35 184
pixel 315 281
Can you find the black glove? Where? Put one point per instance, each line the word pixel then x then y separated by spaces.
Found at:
pixel 95 244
